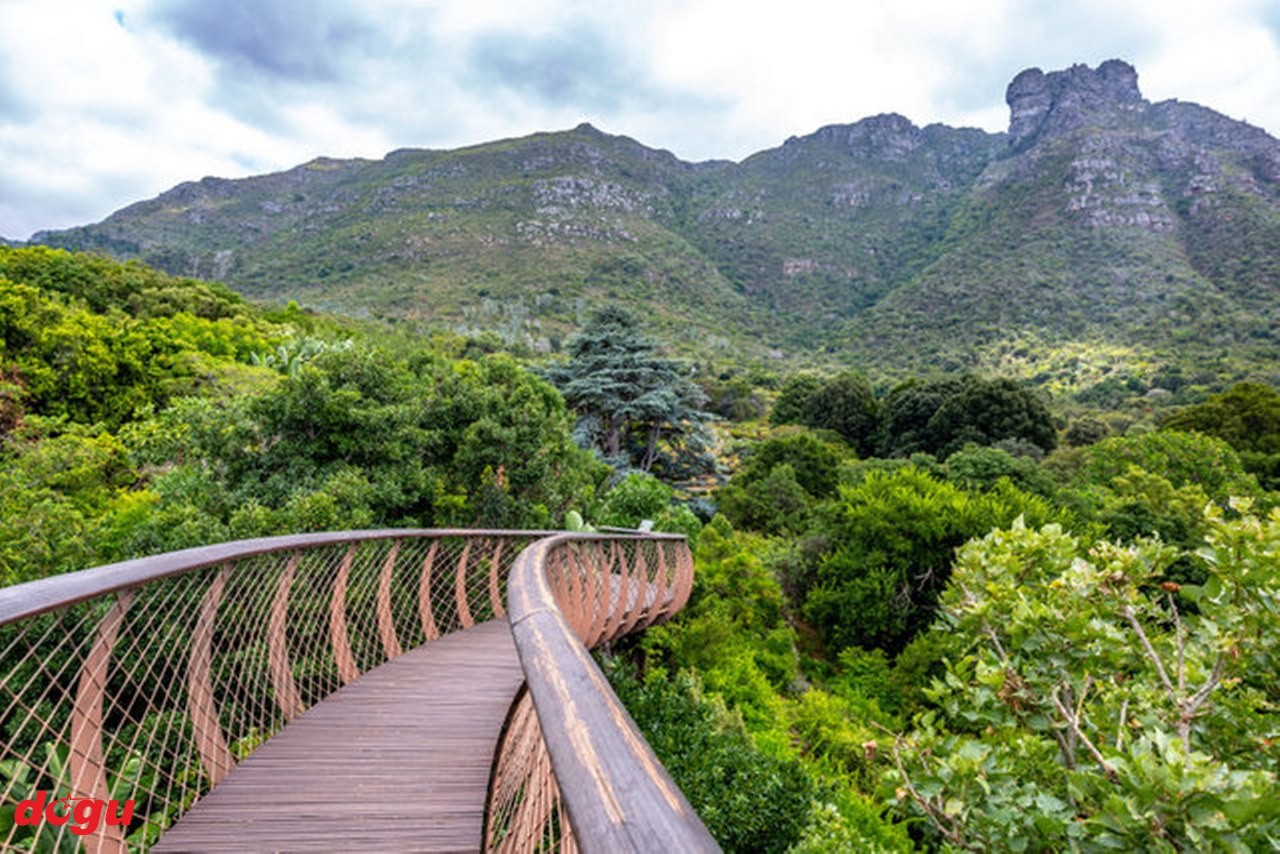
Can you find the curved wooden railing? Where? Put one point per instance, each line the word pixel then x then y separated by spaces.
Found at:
pixel 151 679
pixel 577 774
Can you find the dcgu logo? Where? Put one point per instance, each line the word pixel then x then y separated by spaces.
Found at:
pixel 84 814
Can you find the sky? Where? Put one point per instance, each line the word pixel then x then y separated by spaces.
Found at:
pixel 104 103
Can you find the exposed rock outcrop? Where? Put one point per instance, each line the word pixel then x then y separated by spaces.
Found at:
pixel 1065 100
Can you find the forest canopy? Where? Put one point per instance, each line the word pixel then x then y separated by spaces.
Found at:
pixel 937 613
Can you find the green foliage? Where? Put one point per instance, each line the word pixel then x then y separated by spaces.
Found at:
pixel 70 362
pixel 1086 431
pixel 735 398
pixel 988 411
pixel 636 407
pixel 1080 707
pixel 844 404
pixel 102 285
pixel 793 398
pixel 773 504
pixel 316 434
pixel 976 468
pixel 641 497
pixel 1247 417
pixel 814 462
pixel 852 823
pixel 1181 458
pixel 732 631
pixel 780 482
pixel 636 497
pixel 354 436
pixel 942 416
pixel 892 538
pixel 64 499
pixel 750 800
pixel 908 409
pixel 93 340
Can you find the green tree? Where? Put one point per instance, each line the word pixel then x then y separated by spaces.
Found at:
pixel 892 540
pixel 1182 458
pixel 845 404
pixel 356 434
pixel 1247 417
pixel 779 483
pixel 986 412
pixel 793 399
pixel 907 411
pixel 974 467
pixel 635 406
pixel 1081 708
pixel 641 497
pixel 749 800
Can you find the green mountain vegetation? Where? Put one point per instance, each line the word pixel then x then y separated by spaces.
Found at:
pixel 996 570
pixel 1102 245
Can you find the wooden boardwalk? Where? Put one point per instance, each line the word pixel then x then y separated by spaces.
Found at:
pixel 398 760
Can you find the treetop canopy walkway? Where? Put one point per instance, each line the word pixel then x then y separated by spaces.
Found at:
pixel 374 690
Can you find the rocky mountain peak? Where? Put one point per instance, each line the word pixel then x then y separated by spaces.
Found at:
pixel 1064 100
pixel 888 136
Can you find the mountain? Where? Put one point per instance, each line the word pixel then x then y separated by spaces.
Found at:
pixel 1100 223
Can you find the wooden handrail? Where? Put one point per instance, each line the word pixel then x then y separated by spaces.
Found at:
pixel 59 591
pixel 617 795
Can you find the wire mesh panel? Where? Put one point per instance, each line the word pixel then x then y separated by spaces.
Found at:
pixel 526 812
pixel 127 692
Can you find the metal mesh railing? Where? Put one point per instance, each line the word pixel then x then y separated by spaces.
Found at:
pixel 577 774
pixel 148 681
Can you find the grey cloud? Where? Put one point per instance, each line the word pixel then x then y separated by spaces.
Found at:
pixel 306 41
pixel 15 105
pixel 1046 36
pixel 1270 18
pixel 578 67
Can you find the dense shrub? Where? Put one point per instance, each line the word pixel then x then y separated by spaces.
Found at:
pixel 748 799
pixel 892 539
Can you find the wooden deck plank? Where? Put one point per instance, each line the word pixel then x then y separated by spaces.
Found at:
pixel 397 760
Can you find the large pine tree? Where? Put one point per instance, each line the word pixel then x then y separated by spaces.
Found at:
pixel 635 406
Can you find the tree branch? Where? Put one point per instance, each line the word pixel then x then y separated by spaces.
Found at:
pixel 951 827
pixel 1074 723
pixel 1191 708
pixel 1182 646
pixel 1128 614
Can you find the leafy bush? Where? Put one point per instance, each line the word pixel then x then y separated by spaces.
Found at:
pixel 988 411
pixel 892 539
pixel 748 799
pixel 844 404
pixel 1181 458
pixel 1082 706
pixel 977 468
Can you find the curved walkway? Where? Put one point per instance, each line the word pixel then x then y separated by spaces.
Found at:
pixel 397 760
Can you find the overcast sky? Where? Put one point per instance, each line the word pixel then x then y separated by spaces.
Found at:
pixel 106 103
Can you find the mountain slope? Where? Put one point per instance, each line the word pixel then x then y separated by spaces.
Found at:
pixel 1099 219
pixel 1110 219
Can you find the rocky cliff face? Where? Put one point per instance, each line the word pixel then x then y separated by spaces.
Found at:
pixel 1105 213
pixel 1061 101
